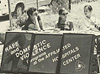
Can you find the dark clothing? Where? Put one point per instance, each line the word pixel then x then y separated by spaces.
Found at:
pixel 28 22
pixel 63 26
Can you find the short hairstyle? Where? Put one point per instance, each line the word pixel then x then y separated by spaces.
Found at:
pixel 61 11
pixel 89 7
pixel 30 11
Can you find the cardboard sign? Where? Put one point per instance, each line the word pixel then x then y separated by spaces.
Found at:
pixel 16 52
pixel 45 53
pixel 77 53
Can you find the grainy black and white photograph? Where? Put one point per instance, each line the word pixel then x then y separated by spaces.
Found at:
pixel 49 36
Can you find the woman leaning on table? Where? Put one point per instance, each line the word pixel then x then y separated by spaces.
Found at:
pixel 34 21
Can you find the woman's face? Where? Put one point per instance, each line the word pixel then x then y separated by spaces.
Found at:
pixel 34 15
pixel 87 13
pixel 19 11
pixel 64 16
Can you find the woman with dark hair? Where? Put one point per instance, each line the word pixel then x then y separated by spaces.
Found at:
pixel 19 9
pixel 88 10
pixel 34 21
pixel 20 5
pixel 63 24
pixel 19 16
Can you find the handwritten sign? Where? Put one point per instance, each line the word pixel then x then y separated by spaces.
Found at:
pixel 45 52
pixel 16 52
pixel 76 57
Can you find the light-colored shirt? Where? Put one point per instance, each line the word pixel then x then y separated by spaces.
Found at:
pixel 89 24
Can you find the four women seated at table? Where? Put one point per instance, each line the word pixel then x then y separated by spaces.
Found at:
pixel 30 20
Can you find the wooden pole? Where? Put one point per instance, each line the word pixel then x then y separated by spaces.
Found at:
pixel 37 5
pixel 10 18
pixel 69 5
